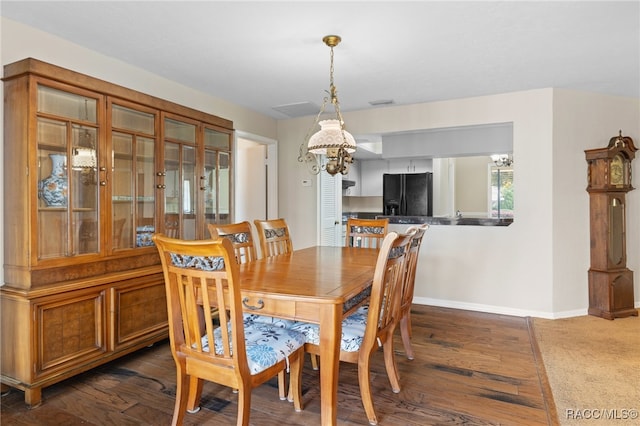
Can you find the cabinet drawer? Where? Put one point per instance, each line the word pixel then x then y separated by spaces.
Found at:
pixel 264 306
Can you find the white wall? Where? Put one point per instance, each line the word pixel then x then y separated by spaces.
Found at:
pixel 537 266
pixel 586 121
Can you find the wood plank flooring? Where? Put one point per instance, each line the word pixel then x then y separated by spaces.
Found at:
pixel 470 368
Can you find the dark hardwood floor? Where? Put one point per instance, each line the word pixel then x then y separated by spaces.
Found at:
pixel 470 368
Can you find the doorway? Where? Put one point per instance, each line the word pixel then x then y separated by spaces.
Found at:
pixel 256 177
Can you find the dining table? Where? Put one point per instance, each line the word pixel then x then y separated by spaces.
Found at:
pixel 319 284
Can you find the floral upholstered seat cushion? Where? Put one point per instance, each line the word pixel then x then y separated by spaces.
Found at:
pixel 255 319
pixel 352 330
pixel 266 344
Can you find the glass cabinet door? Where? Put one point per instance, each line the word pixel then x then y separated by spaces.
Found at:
pixel 181 190
pixel 133 206
pixel 217 177
pixel 68 203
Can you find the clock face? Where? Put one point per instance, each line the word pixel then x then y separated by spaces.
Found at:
pixel 616 171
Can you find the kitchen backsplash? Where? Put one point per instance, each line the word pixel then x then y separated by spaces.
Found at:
pixel 362 204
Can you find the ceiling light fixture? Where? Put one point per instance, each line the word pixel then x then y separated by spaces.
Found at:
pixel 332 141
pixel 502 160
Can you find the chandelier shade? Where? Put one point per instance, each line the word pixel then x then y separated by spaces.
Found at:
pixel 331 135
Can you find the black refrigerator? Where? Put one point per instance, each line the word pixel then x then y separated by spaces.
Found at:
pixel 407 194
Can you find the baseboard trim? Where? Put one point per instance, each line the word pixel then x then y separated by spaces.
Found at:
pixel 502 310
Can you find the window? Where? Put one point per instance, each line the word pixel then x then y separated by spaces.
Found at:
pixel 501 190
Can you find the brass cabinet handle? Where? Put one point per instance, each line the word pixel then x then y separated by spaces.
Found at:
pixel 252 308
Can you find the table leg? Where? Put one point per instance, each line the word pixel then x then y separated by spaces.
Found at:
pixel 330 336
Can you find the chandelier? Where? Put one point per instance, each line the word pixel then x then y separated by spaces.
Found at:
pixel 332 141
pixel 502 160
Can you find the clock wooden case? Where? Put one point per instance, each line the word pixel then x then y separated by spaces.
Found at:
pixel 609 179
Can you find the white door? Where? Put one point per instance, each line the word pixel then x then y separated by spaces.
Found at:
pixel 330 209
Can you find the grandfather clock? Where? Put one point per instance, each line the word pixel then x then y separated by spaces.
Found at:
pixel 609 180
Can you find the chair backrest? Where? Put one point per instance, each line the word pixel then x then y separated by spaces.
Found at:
pixel 274 237
pixel 198 274
pixel 366 232
pixel 411 263
pixel 384 303
pixel 172 225
pixel 240 236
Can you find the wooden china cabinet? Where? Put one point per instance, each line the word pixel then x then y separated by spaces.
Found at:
pixel 91 171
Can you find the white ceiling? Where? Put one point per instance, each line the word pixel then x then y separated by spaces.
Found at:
pixel 266 54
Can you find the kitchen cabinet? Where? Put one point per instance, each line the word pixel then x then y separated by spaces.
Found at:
pixel 94 170
pixel 407 165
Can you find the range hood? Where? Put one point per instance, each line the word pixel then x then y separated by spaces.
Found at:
pixel 347 183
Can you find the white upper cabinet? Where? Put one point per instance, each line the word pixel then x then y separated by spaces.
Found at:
pixel 408 165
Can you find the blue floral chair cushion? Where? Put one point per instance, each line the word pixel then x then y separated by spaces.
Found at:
pixel 266 344
pixel 255 319
pixel 352 330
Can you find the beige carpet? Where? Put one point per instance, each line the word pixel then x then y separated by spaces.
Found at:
pixel 593 368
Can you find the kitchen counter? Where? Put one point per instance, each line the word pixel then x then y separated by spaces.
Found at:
pixel 468 221
pixel 358 215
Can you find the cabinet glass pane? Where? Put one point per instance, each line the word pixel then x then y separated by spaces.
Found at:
pixel 133 198
pixel 52 133
pixel 172 179
pixel 64 104
pixel 53 219
pixel 179 131
pixel 218 140
pixel 224 185
pixel 129 119
pixel 210 183
pixel 145 188
pixel 189 192
pixel 122 191
pixel 84 185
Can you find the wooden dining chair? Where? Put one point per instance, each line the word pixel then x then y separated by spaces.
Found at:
pixel 362 233
pixel 240 236
pixel 366 232
pixel 274 237
pixel 364 331
pixel 408 286
pixel 200 275
pixel 242 241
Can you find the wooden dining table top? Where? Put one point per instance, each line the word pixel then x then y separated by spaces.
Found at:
pixel 321 274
